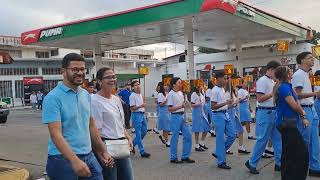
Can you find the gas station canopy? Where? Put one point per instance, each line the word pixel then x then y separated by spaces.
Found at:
pixel 218 24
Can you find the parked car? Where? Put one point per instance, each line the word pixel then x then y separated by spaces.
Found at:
pixel 4 112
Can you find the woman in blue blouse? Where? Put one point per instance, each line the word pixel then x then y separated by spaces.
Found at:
pixel 294 157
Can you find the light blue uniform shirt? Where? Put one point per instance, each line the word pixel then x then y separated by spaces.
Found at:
pixel 73 110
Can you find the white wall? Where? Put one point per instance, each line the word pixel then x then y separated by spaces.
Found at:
pixel 178 70
pixel 28 53
pixel 63 52
pixel 152 80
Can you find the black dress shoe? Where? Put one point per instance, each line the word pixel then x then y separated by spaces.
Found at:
pixel 277 168
pixel 188 160
pixel 213 134
pixel 269 152
pixel 240 151
pixel 252 170
pixel 214 155
pixel 265 156
pixel 314 173
pixel 252 138
pixel 229 153
pixel 162 139
pixel 176 161
pixel 167 145
pixel 145 155
pixel 224 166
pixel 180 133
pixel 203 146
pixel 199 149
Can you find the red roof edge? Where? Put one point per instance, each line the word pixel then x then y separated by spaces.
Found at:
pixel 218 4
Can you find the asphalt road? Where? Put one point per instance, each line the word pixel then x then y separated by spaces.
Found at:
pixel 24 143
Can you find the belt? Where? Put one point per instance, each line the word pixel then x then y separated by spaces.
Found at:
pixel 309 106
pixel 267 108
pixel 138 112
pixel 104 139
pixel 180 113
pixel 222 111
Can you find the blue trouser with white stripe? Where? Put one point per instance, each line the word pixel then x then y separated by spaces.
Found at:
pixel 140 125
pixel 224 127
pixel 265 130
pixel 310 135
pixel 178 124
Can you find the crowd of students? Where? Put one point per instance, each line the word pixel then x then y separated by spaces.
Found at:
pixel 286 119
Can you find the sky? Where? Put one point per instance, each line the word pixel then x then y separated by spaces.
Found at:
pixel 18 16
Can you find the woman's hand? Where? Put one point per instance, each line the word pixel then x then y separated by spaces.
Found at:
pixel 106 159
pixel 130 144
pixel 305 122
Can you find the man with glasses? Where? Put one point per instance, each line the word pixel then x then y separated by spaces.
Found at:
pixel 138 117
pixel 302 85
pixel 73 133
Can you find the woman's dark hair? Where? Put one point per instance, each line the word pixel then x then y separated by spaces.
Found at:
pixel 161 86
pixel 90 84
pixel 196 90
pixel 281 73
pixel 219 75
pixel 317 73
pixel 273 65
pixel 101 72
pixel 174 81
pixel 133 82
pixel 99 76
pixel 210 85
pixel 302 56
pixel 71 57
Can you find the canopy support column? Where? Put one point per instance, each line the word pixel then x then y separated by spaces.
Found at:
pixel 188 43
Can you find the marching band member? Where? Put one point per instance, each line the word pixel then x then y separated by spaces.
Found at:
pixel 245 115
pixel 265 121
pixel 302 85
pixel 199 120
pixel 176 103
pixel 138 117
pixel 164 114
pixel 234 116
pixel 222 122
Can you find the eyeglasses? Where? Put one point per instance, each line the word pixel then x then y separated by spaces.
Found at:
pixel 110 77
pixel 77 70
